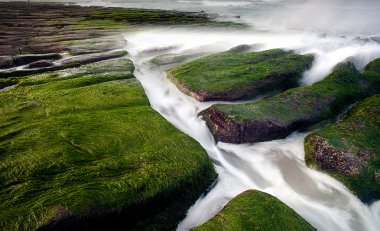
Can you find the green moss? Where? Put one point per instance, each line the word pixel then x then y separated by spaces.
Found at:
pixel 231 73
pixel 310 104
pixel 254 210
pixel 7 82
pixel 85 143
pixel 163 17
pixel 358 135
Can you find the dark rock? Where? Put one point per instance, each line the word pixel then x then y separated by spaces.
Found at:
pixel 6 62
pixel 25 59
pixel 276 117
pixel 334 160
pixel 41 63
pixel 349 151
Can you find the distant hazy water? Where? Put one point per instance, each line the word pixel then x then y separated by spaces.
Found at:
pixel 339 17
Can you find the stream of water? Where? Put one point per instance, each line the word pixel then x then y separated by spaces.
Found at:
pixel 276 167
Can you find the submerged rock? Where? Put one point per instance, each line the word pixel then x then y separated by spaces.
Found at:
pixel 40 64
pixel 6 62
pixel 276 117
pixel 83 149
pixel 232 76
pixel 76 61
pixel 25 59
pixel 255 210
pixel 349 150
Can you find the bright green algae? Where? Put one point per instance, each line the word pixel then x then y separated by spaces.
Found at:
pixel 235 73
pixel 254 210
pixel 358 136
pixel 84 144
pixel 304 106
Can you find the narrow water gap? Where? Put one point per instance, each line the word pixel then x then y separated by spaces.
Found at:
pixel 276 167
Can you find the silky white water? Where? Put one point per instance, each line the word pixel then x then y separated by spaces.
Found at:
pixel 276 167
pixel 326 28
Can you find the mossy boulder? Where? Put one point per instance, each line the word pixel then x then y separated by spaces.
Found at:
pixel 255 210
pixel 276 117
pixel 232 76
pixel 349 150
pixel 82 149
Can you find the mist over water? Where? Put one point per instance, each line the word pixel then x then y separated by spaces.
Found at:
pixel 337 17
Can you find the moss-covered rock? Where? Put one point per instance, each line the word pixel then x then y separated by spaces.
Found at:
pixel 83 149
pixel 349 150
pixel 232 76
pixel 255 210
pixel 276 117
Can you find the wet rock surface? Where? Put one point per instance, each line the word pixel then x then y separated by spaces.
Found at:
pixel 25 59
pixel 6 62
pixel 85 125
pixel 276 117
pixel 54 28
pixel 40 64
pixel 86 176
pixel 349 150
pixel 234 76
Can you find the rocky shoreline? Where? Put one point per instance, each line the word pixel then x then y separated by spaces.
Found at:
pixel 244 74
pixel 74 152
pixel 278 116
pixel 349 150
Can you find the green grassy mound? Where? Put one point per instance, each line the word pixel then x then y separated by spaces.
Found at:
pixel 231 76
pixel 276 117
pixel 349 150
pixel 82 149
pixel 254 210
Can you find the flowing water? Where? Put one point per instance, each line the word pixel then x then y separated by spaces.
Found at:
pixel 276 167
pixel 327 28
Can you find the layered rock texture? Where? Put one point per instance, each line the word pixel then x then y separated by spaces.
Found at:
pixel 255 210
pixel 349 149
pixel 56 28
pixel 276 117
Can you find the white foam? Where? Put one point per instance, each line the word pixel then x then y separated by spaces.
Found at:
pixel 276 167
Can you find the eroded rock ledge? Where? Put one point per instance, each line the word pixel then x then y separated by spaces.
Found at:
pixel 276 117
pixel 349 150
pixel 230 76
